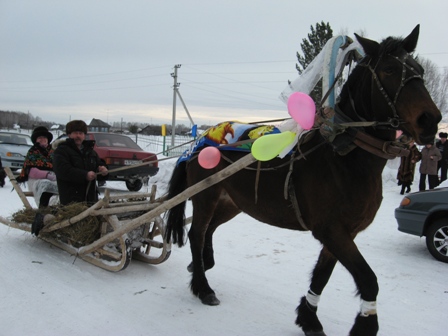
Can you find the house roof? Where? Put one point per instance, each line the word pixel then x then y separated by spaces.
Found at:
pixel 97 123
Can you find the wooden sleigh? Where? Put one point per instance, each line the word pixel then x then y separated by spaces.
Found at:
pixel 131 228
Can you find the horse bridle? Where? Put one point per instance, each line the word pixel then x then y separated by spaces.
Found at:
pixel 395 121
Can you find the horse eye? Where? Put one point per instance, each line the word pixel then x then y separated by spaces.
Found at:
pixel 389 70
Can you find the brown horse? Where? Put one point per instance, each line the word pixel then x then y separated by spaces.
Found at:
pixel 384 92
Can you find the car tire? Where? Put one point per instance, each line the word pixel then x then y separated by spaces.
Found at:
pixel 136 185
pixel 437 239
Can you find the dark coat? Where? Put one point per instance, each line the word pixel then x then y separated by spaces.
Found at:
pixel 443 149
pixel 71 166
pixel 407 167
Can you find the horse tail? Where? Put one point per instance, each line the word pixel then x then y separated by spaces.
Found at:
pixel 176 215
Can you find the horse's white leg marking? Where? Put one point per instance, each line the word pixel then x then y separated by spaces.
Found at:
pixel 312 298
pixel 368 308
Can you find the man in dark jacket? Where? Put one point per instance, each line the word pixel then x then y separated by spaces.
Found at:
pixel 76 165
pixel 2 175
pixel 442 145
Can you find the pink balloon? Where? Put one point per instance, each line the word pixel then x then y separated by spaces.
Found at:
pixel 302 109
pixel 209 157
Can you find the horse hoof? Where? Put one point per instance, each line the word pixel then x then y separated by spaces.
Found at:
pixel 365 326
pixel 210 299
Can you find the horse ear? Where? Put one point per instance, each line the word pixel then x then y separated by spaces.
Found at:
pixel 410 42
pixel 370 47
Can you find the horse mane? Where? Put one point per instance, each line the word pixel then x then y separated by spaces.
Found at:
pixel 390 45
pixel 352 84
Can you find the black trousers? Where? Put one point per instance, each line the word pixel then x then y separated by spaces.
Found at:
pixel 443 171
pixel 44 199
pixel 433 181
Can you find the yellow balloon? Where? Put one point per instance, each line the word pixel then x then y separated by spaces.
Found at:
pixel 269 146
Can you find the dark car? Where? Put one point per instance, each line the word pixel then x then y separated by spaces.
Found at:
pixel 13 149
pixel 426 214
pixel 119 151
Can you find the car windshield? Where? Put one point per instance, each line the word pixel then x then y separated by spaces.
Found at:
pixel 15 139
pixel 114 140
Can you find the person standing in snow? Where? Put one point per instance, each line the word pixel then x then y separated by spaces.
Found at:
pixel 406 170
pixel 2 175
pixel 442 146
pixel 428 167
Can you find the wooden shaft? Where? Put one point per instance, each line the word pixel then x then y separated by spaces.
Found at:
pixel 17 188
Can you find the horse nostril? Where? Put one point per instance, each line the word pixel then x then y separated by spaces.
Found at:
pixel 423 120
pixel 428 121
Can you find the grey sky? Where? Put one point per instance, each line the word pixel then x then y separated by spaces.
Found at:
pixel 112 60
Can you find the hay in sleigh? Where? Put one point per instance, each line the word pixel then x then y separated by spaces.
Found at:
pixel 81 233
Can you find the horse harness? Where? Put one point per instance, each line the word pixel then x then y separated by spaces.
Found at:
pixel 346 135
pixel 355 137
pixel 404 80
pixel 351 130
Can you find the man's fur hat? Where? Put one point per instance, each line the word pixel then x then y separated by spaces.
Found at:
pixel 76 126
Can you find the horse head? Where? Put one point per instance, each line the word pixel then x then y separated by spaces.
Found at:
pixel 396 96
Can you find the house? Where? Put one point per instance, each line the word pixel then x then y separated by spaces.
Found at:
pixel 97 125
pixel 57 128
pixel 152 130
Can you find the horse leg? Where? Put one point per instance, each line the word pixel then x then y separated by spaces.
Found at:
pixel 199 284
pixel 347 253
pixel 307 309
pixel 224 212
pixel 201 244
pixel 211 208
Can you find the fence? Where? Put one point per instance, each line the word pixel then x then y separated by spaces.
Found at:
pixel 159 144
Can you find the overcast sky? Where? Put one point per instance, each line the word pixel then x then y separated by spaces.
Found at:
pixel 112 60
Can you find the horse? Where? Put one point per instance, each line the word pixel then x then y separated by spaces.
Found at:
pixel 384 93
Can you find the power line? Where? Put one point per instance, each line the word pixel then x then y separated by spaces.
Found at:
pixel 85 76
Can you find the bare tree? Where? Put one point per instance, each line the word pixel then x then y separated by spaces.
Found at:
pixel 436 82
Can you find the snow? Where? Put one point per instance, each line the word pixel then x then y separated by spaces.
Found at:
pixel 260 274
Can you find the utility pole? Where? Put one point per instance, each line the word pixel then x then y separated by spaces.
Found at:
pixel 176 94
pixel 175 87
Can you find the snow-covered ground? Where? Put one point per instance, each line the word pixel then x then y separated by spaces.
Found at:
pixel 260 274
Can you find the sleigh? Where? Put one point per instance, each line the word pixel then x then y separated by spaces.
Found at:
pixel 130 225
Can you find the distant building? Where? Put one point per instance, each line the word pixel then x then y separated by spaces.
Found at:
pixel 57 127
pixel 152 130
pixel 97 125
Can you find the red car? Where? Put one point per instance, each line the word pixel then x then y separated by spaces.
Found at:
pixel 117 151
